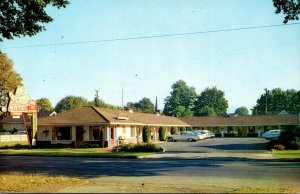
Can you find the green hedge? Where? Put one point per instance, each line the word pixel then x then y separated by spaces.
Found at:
pixel 146 134
pixel 173 130
pixel 140 147
pixel 162 133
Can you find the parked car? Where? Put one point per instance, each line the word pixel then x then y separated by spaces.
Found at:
pixel 184 136
pixel 207 133
pixel 272 134
pixel 211 134
pixel 202 134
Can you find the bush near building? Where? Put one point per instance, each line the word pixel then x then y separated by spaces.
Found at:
pixel 173 130
pixel 140 147
pixel 146 134
pixel 162 133
pixel 182 129
pixel 289 139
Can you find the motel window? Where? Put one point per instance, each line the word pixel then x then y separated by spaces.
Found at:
pixel 62 133
pixel 95 133
pixel 124 130
pixel 251 129
pixel 229 129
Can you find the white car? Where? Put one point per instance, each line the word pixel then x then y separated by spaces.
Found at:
pixel 184 136
pixel 207 133
pixel 202 134
pixel 272 134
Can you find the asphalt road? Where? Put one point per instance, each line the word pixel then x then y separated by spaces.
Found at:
pixel 234 171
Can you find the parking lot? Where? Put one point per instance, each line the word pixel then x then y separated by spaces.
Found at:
pixel 246 148
pixel 217 145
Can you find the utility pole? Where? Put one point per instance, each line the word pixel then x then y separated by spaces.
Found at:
pixel 97 98
pixel 266 100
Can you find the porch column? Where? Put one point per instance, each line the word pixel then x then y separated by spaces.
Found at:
pixel 73 132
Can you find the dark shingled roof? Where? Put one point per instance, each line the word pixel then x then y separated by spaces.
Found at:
pixel 139 118
pixel 79 116
pixel 256 120
pixel 93 115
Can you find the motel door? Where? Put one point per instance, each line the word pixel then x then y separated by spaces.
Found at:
pixel 79 135
pixel 112 137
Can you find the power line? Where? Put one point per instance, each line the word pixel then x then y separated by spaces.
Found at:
pixel 151 36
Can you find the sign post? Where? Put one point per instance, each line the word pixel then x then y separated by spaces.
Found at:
pixel 20 103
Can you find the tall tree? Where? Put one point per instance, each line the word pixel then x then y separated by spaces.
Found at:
pixel 44 104
pixel 144 105
pixel 212 98
pixel 242 111
pixel 290 8
pixel 181 111
pixel 21 18
pixel 181 95
pixel 208 111
pixel 71 102
pixel 277 100
pixel 9 79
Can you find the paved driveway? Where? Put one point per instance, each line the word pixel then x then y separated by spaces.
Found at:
pixel 247 148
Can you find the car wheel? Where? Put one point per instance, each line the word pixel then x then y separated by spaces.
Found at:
pixel 190 139
pixel 170 139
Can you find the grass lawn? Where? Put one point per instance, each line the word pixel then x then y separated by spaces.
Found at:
pixel 13 143
pixel 291 155
pixel 69 152
pixel 17 182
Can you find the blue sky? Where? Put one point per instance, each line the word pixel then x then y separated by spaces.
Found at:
pixel 241 63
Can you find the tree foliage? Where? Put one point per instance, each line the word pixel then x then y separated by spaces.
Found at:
pixel 242 111
pixel 208 111
pixel 9 79
pixel 144 105
pixel 24 17
pixel 181 95
pixel 44 104
pixel 290 8
pixel 71 102
pixel 211 98
pixel 183 112
pixel 278 100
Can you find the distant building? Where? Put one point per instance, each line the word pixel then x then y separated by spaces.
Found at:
pixel 9 123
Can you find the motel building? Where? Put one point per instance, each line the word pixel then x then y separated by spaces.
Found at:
pixel 243 126
pixel 111 126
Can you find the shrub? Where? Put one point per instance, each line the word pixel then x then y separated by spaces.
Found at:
pixel 279 147
pixel 173 130
pixel 162 133
pixel 13 131
pixel 290 136
pixel 189 128
pixel 140 147
pixel 295 145
pixel 146 134
pixel 182 129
